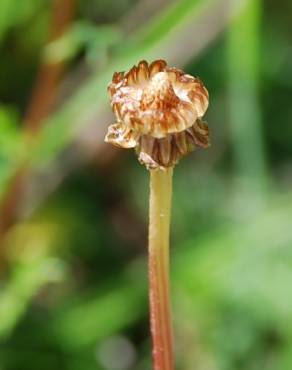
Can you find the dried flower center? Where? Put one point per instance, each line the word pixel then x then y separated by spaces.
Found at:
pixel 159 93
pixel 159 111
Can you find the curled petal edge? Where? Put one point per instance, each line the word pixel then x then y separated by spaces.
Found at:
pixel 121 136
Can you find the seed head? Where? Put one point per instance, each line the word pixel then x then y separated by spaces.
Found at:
pixel 158 111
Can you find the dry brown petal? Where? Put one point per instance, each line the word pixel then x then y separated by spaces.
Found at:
pixel 121 136
pixel 166 152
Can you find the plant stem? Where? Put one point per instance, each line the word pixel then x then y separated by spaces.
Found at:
pixel 160 312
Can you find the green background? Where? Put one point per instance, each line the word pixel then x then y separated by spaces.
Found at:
pixel 73 261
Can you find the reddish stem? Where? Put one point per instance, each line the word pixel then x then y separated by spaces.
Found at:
pixel 159 291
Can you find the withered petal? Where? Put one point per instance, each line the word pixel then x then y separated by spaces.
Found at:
pixel 199 134
pixel 121 136
pixel 165 149
pixel 166 152
pixel 147 161
pixel 118 76
pixel 142 72
pixel 181 142
pixel 157 66
pixel 131 76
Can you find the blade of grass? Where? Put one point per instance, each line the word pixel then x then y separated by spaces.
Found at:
pixel 243 56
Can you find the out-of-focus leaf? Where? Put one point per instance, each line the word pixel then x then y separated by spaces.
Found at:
pixel 244 109
pixel 33 265
pixel 13 12
pixel 115 306
pixel 25 282
pixel 235 285
pixel 10 144
pixel 95 40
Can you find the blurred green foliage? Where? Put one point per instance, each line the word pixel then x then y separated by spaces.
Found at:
pixel 73 291
pixel 10 143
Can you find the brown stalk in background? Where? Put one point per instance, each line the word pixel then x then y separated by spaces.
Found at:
pixel 42 100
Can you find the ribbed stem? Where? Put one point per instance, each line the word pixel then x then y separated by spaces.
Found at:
pixel 159 295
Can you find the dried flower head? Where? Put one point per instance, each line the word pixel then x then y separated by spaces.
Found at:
pixel 159 111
